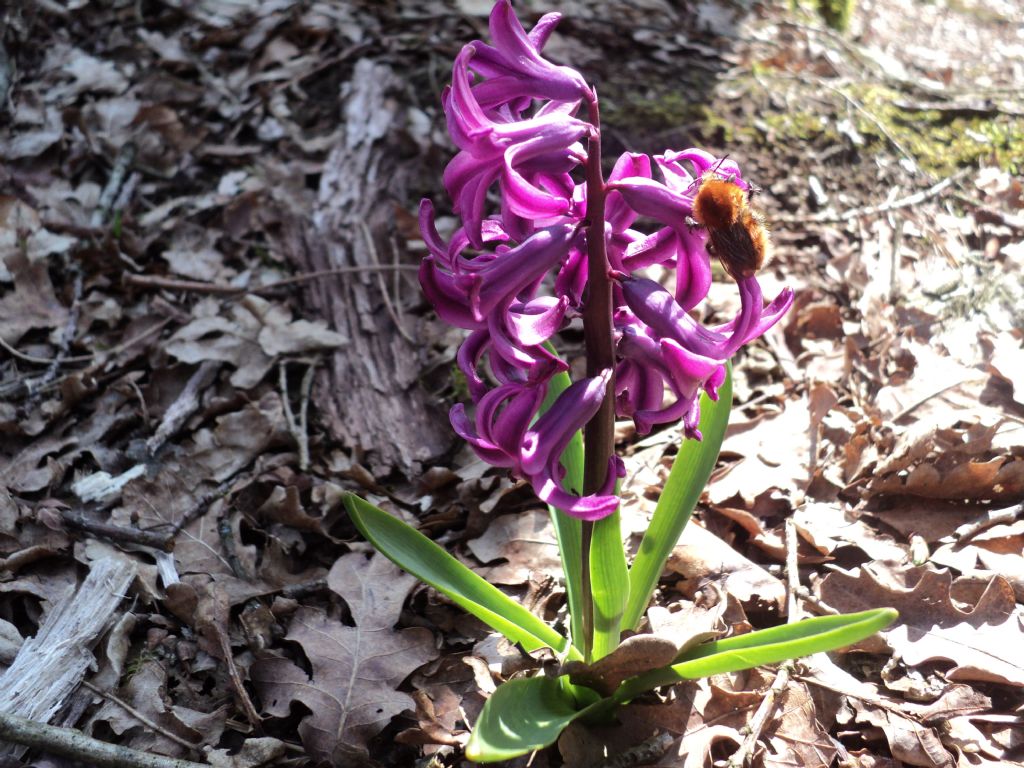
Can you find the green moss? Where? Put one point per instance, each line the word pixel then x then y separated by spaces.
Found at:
pixel 942 141
pixel 836 13
pixel 640 113
pixel 797 126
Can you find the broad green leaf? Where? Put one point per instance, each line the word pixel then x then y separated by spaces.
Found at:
pixel 529 714
pixel 415 553
pixel 567 527
pixel 521 716
pixel 609 584
pixel 690 472
pixel 767 646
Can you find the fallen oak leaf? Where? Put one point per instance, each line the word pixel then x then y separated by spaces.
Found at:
pixel 981 642
pixel 351 694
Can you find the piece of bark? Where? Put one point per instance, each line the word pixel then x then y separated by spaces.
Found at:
pixel 369 394
pixel 51 665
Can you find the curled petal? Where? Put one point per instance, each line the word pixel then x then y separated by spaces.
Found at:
pixel 658 310
pixel 617 213
pixel 500 281
pixel 693 268
pixel 545 442
pixel 447 296
pixel 502 417
pixel 516 66
pixel 703 162
pixel 652 198
pixel 655 364
pixel 592 507
pixel 491 230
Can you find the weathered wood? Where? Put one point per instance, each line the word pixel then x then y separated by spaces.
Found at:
pixel 51 665
pixel 370 392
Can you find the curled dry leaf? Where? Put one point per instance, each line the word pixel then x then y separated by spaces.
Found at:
pixel 702 557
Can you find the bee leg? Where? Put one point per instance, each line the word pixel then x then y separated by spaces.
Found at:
pixel 692 223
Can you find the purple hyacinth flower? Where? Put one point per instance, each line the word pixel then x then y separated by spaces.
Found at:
pixel 657 309
pixel 501 420
pixel 546 441
pixel 465 292
pixel 529 157
pixel 648 365
pixel 514 68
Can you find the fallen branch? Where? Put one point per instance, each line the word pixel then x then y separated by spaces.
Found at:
pixel 50 666
pixel 73 744
pixel 119 533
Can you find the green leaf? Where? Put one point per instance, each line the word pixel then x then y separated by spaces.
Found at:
pixel 521 716
pixel 529 714
pixel 568 529
pixel 415 553
pixel 609 584
pixel 686 481
pixel 767 646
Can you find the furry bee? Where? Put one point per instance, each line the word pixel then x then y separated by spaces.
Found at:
pixel 736 232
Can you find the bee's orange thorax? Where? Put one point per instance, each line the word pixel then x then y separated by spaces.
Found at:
pixel 719 203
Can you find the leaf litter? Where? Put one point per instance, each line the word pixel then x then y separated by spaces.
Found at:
pixel 885 419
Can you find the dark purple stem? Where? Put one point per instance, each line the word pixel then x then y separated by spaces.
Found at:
pixel 599 434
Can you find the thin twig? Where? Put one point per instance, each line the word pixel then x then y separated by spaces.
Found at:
pixel 142 718
pixel 196 286
pixel 808 597
pixel 73 744
pixel 299 428
pixel 122 163
pixel 914 406
pixel 184 405
pixel 871 210
pixel 766 711
pixel 372 248
pixel 792 572
pixel 78 520
pixel 41 360
pixel 1007 219
pixel 990 519
pixel 874 120
pixel 304 393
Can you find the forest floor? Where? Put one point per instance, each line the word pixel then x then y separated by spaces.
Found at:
pixel 166 390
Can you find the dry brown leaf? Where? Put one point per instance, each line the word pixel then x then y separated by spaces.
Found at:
pixel 146 691
pixel 982 641
pixel 355 669
pixel 254 334
pixel 32 303
pixel 773 453
pixel 796 737
pixel 909 742
pixel 525 540
pixel 702 557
